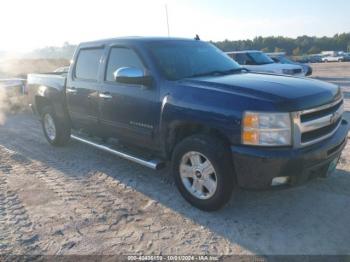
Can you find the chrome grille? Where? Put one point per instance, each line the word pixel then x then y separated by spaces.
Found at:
pixel 297 71
pixel 316 124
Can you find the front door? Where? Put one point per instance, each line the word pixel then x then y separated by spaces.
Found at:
pixel 129 112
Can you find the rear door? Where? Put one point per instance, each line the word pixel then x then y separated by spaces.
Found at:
pixel 83 88
pixel 127 111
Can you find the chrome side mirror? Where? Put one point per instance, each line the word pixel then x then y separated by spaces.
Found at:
pixel 132 75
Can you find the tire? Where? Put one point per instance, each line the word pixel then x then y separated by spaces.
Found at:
pixel 58 131
pixel 208 149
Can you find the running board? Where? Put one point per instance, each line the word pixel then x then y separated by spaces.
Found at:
pixel 153 164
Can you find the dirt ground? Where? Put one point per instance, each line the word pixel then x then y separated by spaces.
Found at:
pixel 77 200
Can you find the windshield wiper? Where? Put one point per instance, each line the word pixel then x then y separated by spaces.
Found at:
pixel 220 72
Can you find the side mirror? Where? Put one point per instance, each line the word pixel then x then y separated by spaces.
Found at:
pixel 132 75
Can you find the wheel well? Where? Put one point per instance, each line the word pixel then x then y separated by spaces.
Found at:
pixel 181 131
pixel 40 103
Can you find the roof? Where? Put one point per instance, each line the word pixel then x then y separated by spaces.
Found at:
pixel 243 52
pixel 137 39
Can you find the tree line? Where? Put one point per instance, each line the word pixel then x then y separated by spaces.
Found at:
pixel 292 46
pixel 301 45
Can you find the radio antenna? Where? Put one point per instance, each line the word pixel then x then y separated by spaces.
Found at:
pixel 167 19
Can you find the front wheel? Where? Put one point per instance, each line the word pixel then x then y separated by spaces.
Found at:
pixel 203 172
pixel 56 131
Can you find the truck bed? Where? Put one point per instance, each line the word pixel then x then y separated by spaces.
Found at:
pixel 54 80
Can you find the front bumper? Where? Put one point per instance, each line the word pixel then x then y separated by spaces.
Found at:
pixel 255 167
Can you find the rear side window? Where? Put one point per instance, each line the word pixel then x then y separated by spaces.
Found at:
pixel 88 63
pixel 121 57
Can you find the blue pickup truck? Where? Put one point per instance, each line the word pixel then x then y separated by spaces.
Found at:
pixel 183 102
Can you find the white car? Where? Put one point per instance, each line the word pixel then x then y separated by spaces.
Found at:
pixel 335 58
pixel 258 61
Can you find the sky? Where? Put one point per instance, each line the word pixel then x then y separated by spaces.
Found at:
pixel 30 24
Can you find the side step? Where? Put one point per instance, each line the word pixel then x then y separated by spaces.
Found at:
pixel 153 164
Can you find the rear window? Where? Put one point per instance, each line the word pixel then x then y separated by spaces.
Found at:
pixel 88 63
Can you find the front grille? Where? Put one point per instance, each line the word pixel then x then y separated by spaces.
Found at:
pixel 315 134
pixel 297 71
pixel 317 124
pixel 321 113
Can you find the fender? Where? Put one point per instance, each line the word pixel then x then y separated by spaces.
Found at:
pixel 177 110
pixel 48 87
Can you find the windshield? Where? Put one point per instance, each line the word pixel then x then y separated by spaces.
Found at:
pixel 285 60
pixel 260 58
pixel 183 59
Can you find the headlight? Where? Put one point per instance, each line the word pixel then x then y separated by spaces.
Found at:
pixel 266 129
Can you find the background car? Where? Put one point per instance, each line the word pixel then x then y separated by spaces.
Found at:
pixel 336 58
pixel 283 59
pixel 258 61
pixel 13 86
pixel 315 58
pixel 12 93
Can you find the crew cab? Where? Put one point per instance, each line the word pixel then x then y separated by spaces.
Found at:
pixel 258 61
pixel 183 102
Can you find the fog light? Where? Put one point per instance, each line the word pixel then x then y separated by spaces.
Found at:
pixel 279 181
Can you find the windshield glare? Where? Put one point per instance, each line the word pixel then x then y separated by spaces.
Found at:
pixel 183 59
pixel 260 58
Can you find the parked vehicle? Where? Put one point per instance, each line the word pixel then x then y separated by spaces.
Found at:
pixel 335 58
pixel 283 59
pixel 302 59
pixel 11 90
pixel 186 103
pixel 13 86
pixel 315 59
pixel 258 61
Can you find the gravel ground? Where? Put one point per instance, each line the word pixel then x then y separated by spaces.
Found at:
pixel 77 200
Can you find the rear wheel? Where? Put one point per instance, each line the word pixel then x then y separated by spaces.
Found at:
pixel 56 131
pixel 203 172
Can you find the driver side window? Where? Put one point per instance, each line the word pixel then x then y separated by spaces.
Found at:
pixel 244 59
pixel 121 57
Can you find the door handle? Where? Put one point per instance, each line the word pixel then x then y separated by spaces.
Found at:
pixel 71 90
pixel 105 95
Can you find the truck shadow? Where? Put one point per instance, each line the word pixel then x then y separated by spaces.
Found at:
pixel 310 219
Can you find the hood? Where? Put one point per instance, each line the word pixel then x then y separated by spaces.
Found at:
pixel 291 93
pixel 272 68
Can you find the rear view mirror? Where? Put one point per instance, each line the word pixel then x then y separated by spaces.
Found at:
pixel 132 75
